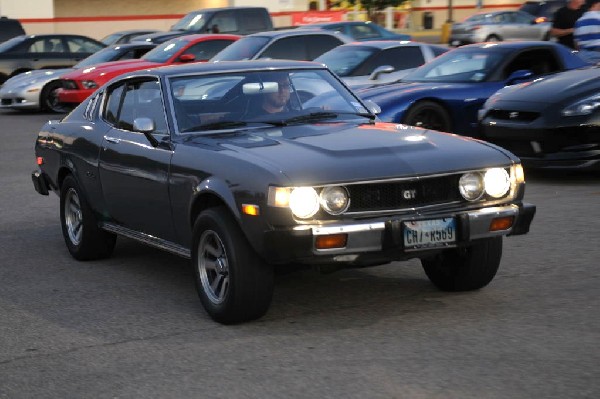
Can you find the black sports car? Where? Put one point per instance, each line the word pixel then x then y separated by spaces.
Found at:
pixel 552 122
pixel 239 167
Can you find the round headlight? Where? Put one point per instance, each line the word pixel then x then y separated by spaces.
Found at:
pixel 335 200
pixel 304 202
pixel 471 186
pixel 497 182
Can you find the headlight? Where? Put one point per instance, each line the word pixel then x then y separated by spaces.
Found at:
pixel 304 202
pixel 89 84
pixel 497 182
pixel 583 107
pixel 334 200
pixel 471 186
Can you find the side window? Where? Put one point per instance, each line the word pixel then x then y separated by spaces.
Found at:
pixel 224 22
pixel 319 44
pixel 540 62
pixel 37 46
pixel 204 51
pixel 363 32
pixel 91 107
pixel 142 99
pixel 113 102
pixel 252 21
pixel 81 45
pixel 289 48
pixel 400 58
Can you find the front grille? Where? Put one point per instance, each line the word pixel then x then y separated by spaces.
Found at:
pixel 403 194
pixel 516 116
pixel 6 101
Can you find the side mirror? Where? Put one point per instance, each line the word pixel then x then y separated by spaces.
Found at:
pixel 146 126
pixel 187 57
pixel 520 75
pixel 372 107
pixel 379 70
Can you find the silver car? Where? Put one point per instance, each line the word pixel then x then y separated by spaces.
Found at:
pixel 498 26
pixel 36 90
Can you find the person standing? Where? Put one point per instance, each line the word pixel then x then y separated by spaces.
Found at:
pixel 564 22
pixel 587 33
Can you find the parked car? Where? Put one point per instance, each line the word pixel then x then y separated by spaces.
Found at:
pixel 286 44
pixel 231 20
pixel 378 62
pixel 37 90
pixel 550 123
pixel 359 30
pixel 10 28
pixel 125 36
pixel 446 93
pixel 499 26
pixel 76 86
pixel 543 10
pixel 320 183
pixel 25 53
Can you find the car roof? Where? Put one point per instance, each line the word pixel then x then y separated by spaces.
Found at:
pixel 228 66
pixel 384 44
pixel 298 32
pixel 517 44
pixel 204 36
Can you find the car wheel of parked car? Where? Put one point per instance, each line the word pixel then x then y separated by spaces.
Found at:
pixel 233 283
pixel 465 269
pixel 493 38
pixel 428 115
pixel 84 239
pixel 49 98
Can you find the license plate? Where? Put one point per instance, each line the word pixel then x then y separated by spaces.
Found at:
pixel 429 233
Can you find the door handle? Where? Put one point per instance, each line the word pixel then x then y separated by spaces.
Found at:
pixel 113 140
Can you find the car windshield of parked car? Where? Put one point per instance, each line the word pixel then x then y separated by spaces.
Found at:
pixel 458 66
pixel 191 22
pixel 11 43
pixel 343 61
pixel 165 51
pixel 244 49
pixel 104 55
pixel 222 101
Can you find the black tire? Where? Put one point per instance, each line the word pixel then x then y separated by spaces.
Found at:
pixel 233 283
pixel 428 115
pixel 465 269
pixel 49 98
pixel 493 38
pixel 84 239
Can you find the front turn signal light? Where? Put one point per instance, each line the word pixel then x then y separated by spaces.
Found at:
pixel 331 241
pixel 502 223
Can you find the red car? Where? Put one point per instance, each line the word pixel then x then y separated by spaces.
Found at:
pixel 78 85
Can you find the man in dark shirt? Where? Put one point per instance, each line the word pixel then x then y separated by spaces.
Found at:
pixel 564 22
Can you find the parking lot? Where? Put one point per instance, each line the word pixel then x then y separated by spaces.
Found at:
pixel 132 325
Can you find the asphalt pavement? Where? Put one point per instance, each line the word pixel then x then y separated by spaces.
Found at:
pixel 132 326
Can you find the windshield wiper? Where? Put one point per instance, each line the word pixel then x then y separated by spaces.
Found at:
pixel 215 126
pixel 313 116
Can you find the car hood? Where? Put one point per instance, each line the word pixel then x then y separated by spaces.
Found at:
pixel 35 76
pixel 110 67
pixel 331 152
pixel 393 92
pixel 562 86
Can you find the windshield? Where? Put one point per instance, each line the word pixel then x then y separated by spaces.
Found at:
pixel 104 55
pixel 472 65
pixel 165 51
pixel 255 98
pixel 110 39
pixel 9 44
pixel 191 22
pixel 343 61
pixel 244 49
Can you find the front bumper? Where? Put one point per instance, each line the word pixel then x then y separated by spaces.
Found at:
pixel 381 240
pixel 19 99
pixel 73 96
pixel 574 147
